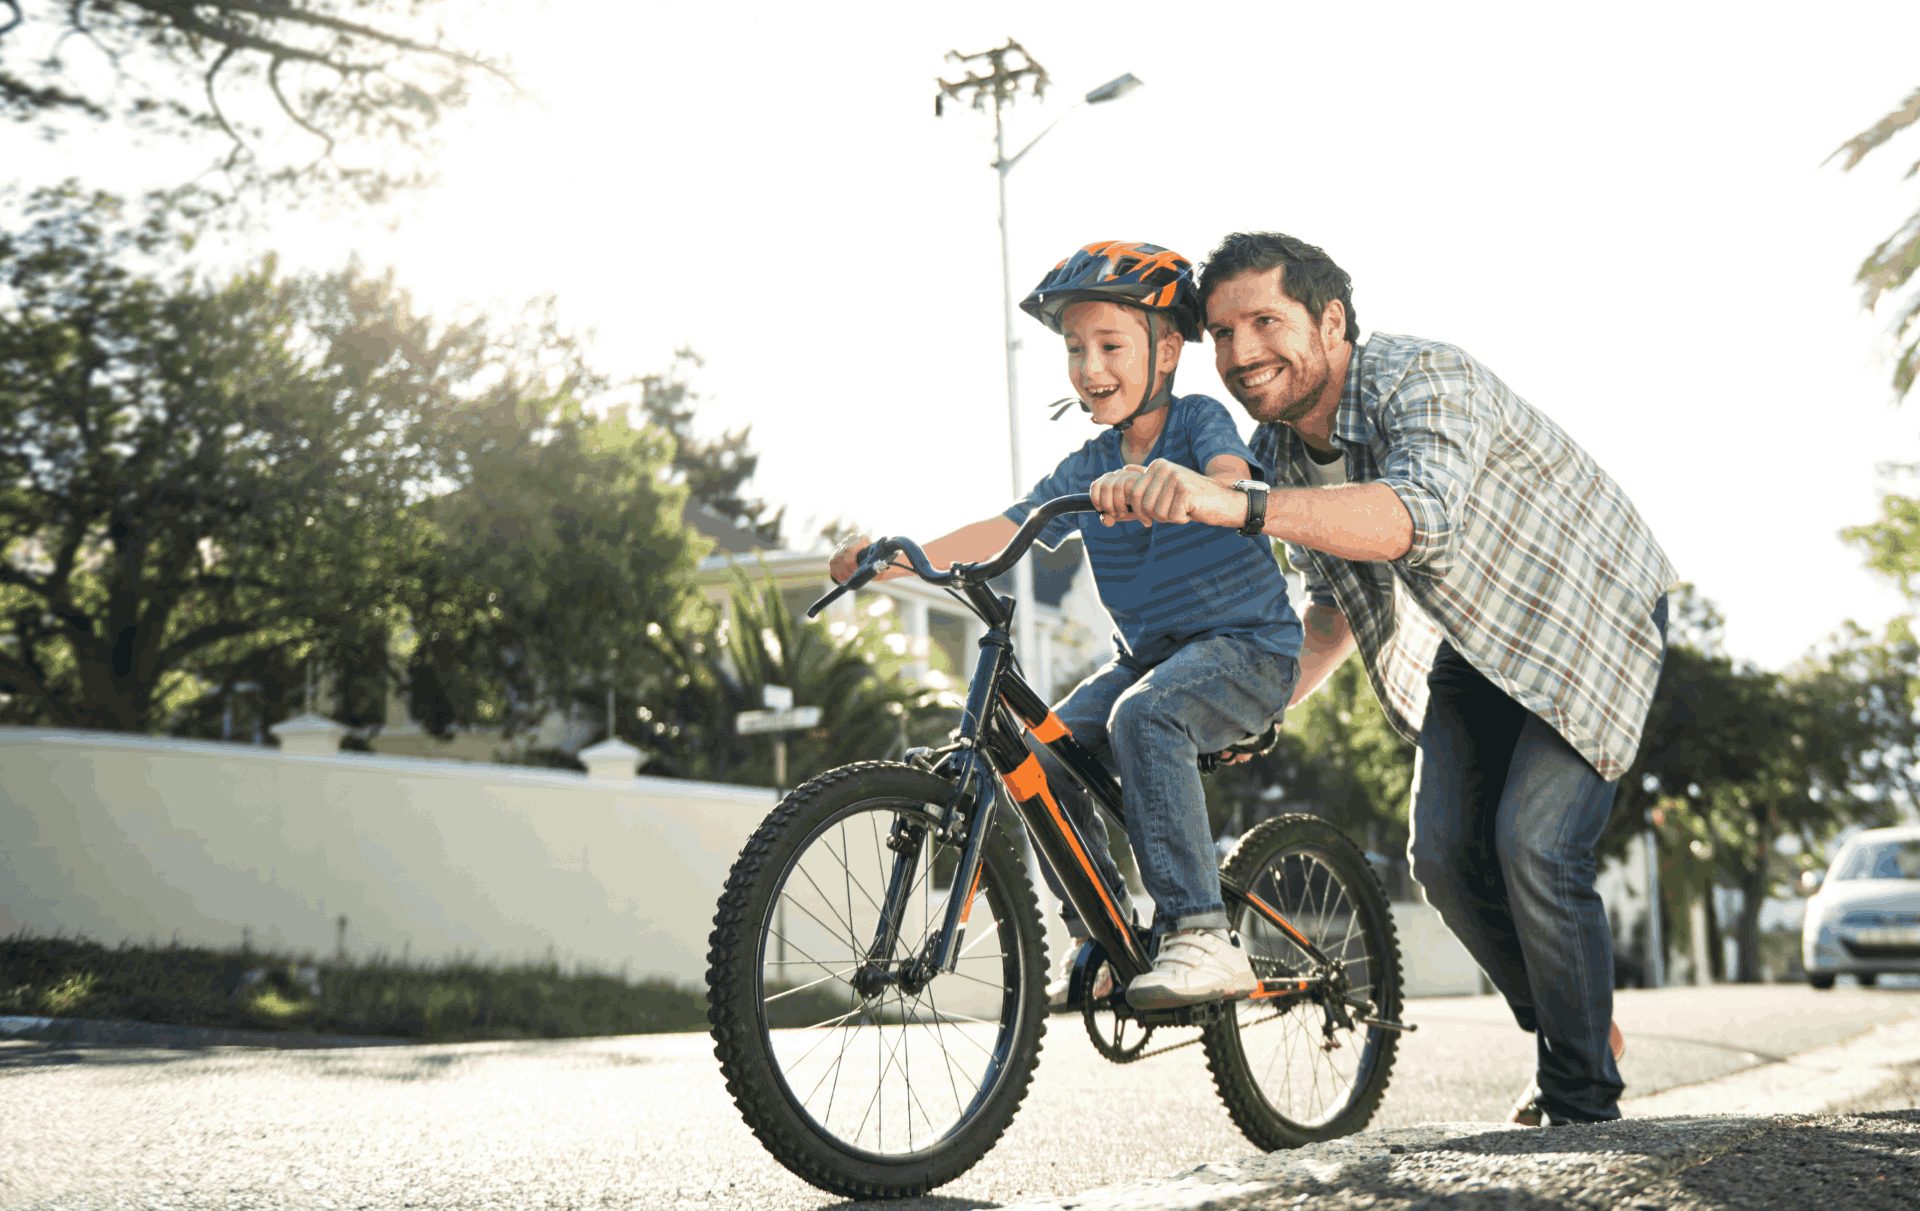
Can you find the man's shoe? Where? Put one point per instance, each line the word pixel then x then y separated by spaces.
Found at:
pixel 1528 1112
pixel 1057 988
pixel 1194 965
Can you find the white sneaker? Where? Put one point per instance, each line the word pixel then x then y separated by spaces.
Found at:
pixel 1057 989
pixel 1194 965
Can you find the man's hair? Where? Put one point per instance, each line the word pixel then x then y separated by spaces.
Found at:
pixel 1310 278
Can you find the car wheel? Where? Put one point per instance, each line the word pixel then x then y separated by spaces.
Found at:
pixel 1821 982
pixel 1868 978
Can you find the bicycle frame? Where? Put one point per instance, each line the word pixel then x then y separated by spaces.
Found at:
pixel 989 758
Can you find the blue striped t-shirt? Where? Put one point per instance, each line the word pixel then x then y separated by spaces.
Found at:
pixel 1170 585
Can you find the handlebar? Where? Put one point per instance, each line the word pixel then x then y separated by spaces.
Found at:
pixel 881 553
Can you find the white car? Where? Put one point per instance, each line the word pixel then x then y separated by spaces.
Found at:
pixel 1865 919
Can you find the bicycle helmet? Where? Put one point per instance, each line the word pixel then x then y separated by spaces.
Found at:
pixel 1154 279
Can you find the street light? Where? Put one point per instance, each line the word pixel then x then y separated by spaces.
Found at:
pixel 1003 84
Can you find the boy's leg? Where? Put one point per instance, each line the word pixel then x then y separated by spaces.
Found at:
pixel 1203 698
pixel 1085 710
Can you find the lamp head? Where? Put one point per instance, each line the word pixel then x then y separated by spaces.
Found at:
pixel 1114 89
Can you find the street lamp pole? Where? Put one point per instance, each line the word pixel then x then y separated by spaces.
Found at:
pixel 1003 83
pixel 1022 571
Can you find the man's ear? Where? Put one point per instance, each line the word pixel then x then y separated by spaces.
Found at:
pixel 1333 323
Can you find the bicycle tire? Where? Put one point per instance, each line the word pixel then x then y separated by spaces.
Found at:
pixel 768 1064
pixel 1283 1088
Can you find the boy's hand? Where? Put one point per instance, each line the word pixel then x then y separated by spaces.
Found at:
pixel 846 558
pixel 1163 491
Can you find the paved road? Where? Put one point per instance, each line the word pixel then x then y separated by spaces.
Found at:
pixel 642 1122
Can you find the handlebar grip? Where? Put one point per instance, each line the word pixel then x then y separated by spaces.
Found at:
pixel 858 580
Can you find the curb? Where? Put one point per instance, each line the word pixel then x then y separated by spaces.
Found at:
pixel 1808 1083
pixel 1501 1165
pixel 152 1034
pixel 1462 1162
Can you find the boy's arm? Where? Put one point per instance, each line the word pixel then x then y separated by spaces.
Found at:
pixel 969 544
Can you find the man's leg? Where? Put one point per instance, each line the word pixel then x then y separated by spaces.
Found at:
pixel 1551 817
pixel 1466 744
pixel 1205 697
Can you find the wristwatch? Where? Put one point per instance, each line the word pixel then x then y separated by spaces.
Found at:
pixel 1256 505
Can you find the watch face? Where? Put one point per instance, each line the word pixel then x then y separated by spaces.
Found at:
pixel 1249 485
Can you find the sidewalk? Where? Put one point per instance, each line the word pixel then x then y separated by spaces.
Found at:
pixel 1841 1125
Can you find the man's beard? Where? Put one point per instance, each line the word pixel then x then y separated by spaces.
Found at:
pixel 1288 409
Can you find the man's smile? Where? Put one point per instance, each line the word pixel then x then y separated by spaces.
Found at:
pixel 1258 377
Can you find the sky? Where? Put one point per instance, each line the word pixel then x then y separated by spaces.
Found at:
pixel 1624 211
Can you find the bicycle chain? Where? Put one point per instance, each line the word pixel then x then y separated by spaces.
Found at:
pixel 1198 1038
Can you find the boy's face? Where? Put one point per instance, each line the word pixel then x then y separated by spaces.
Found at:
pixel 1107 357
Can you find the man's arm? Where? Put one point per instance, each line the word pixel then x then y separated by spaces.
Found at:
pixel 1354 521
pixel 1329 640
pixel 969 544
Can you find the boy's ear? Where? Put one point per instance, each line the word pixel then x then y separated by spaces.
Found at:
pixel 1171 343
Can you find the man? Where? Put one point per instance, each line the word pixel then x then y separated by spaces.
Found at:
pixel 1507 599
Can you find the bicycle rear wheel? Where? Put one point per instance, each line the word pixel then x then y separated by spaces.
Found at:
pixel 1285 1078
pixel 860 1087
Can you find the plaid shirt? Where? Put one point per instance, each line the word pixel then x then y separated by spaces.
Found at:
pixel 1525 555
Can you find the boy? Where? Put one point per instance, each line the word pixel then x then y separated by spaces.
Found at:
pixel 1205 641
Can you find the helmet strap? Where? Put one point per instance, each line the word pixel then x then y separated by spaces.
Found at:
pixel 1150 401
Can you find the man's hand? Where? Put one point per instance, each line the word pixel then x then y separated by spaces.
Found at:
pixel 1168 492
pixel 846 559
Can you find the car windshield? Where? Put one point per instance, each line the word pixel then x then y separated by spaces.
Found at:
pixel 1886 860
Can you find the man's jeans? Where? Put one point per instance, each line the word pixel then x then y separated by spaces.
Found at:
pixel 1506 817
pixel 1149 726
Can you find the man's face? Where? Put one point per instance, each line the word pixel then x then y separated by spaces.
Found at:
pixel 1270 351
pixel 1107 357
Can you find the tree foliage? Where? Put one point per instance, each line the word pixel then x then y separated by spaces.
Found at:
pixel 548 565
pixel 1733 758
pixel 1890 266
pixel 715 470
pixel 209 485
pixel 349 79
pixel 190 468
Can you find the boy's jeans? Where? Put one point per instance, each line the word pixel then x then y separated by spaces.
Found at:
pixel 1506 816
pixel 1149 726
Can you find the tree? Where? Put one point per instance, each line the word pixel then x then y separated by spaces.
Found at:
pixel 850 672
pixel 714 470
pixel 189 469
pixel 354 76
pixel 549 565
pixel 1732 758
pixel 1890 266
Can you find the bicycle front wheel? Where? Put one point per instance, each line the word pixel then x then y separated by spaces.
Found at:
pixel 861 1086
pixel 1287 1074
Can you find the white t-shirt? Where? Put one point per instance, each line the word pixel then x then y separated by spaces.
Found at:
pixel 1326 475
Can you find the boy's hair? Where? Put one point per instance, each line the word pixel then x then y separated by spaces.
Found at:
pixel 1309 275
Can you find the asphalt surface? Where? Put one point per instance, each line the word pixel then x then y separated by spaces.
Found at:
pixel 642 1121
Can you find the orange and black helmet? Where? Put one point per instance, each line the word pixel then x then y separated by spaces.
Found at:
pixel 1139 275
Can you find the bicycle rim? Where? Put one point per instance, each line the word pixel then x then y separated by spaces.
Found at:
pixel 892 1075
pixel 1287 1080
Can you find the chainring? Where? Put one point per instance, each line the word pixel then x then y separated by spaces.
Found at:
pixel 1121 1039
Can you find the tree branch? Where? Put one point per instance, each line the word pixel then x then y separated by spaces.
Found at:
pixel 1859 145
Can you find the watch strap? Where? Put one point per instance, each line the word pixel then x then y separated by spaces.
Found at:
pixel 1256 512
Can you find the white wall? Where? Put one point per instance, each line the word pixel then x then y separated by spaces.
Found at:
pixel 126 837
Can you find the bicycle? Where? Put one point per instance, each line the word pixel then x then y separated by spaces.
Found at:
pixel 877 1052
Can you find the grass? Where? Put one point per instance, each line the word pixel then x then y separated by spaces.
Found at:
pixel 448 1002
